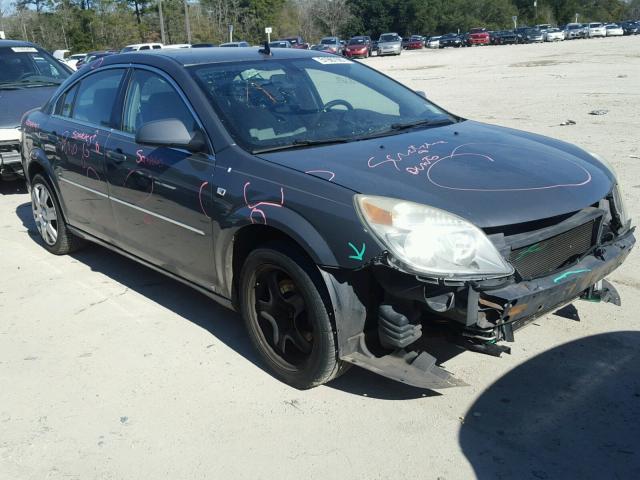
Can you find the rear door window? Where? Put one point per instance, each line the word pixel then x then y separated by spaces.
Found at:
pixel 96 97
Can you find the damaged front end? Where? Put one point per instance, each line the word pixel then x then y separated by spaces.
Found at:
pixel 383 310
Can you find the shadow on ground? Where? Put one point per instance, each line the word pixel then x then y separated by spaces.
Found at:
pixel 570 412
pixel 12 187
pixel 225 325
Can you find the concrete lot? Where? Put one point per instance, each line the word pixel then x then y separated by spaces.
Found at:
pixel 111 371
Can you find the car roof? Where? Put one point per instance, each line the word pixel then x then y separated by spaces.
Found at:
pixel 191 56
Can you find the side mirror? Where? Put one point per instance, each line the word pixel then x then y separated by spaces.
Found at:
pixel 170 133
pixel 422 93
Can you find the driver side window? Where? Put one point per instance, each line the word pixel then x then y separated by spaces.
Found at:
pixel 149 98
pixel 332 86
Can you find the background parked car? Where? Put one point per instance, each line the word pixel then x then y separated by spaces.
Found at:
pixel 73 60
pixel 389 44
pixel 450 40
pixel 433 42
pixel 553 35
pixel 478 36
pixel 358 47
pixel 280 44
pixel 136 47
pixel 415 42
pixel 332 45
pixel 630 28
pixel 92 56
pixel 533 35
pixel 203 45
pixel 241 44
pixel 297 42
pixel 614 30
pixel 28 77
pixel 506 37
pixel 573 31
pixel 597 29
pixel 178 45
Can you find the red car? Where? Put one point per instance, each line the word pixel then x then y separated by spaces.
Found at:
pixel 415 43
pixel 358 47
pixel 478 36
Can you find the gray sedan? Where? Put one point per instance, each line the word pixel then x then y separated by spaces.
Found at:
pixel 390 44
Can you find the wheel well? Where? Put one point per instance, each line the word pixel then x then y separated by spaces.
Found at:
pixel 34 169
pixel 254 236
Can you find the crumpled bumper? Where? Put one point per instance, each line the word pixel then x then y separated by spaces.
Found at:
pixel 525 301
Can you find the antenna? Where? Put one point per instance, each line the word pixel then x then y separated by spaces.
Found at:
pixel 266 50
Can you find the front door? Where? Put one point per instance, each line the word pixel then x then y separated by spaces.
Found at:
pixel 161 197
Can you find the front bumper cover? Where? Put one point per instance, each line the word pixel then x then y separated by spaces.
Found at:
pixel 483 311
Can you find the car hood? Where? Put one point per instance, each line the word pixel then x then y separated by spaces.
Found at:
pixel 16 102
pixel 490 175
pixel 390 44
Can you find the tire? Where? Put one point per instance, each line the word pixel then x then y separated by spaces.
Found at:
pixel 50 223
pixel 289 287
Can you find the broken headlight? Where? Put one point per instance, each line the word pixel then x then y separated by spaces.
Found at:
pixel 619 208
pixel 620 211
pixel 430 241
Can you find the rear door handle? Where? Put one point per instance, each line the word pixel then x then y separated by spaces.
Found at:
pixel 116 155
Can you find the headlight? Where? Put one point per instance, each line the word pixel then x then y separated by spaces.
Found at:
pixel 430 241
pixel 620 209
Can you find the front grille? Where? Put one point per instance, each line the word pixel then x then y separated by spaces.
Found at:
pixel 545 257
pixel 9 153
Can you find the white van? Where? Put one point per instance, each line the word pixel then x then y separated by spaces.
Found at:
pixel 136 47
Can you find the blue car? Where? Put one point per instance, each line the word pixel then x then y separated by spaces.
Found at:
pixel 339 212
pixel 28 77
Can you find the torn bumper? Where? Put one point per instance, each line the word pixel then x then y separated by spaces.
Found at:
pixel 519 303
pixel 379 316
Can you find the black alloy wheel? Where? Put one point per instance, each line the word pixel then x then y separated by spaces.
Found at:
pixel 287 317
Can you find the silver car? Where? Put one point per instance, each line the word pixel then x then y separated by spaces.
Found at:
pixel 553 35
pixel 597 29
pixel 390 44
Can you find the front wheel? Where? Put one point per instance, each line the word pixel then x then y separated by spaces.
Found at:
pixel 49 221
pixel 286 317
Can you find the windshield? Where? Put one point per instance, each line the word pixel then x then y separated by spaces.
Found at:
pixel 28 66
pixel 356 41
pixel 328 41
pixel 389 38
pixel 283 103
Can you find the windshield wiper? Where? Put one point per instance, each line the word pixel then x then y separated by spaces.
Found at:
pixel 420 123
pixel 29 83
pixel 303 143
pixel 11 86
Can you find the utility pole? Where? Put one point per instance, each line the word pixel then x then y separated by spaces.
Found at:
pixel 535 6
pixel 162 37
pixel 186 21
pixel 577 15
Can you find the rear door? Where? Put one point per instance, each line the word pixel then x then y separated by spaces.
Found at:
pixel 161 196
pixel 81 124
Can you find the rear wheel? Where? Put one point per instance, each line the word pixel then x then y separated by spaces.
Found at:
pixel 287 318
pixel 49 221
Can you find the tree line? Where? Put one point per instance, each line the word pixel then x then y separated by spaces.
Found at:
pixel 84 25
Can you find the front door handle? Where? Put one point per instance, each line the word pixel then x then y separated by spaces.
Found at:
pixel 116 155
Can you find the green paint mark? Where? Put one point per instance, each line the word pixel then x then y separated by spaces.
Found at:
pixel 536 247
pixel 358 253
pixel 559 278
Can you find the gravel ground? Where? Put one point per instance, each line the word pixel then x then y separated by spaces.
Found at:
pixel 109 370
